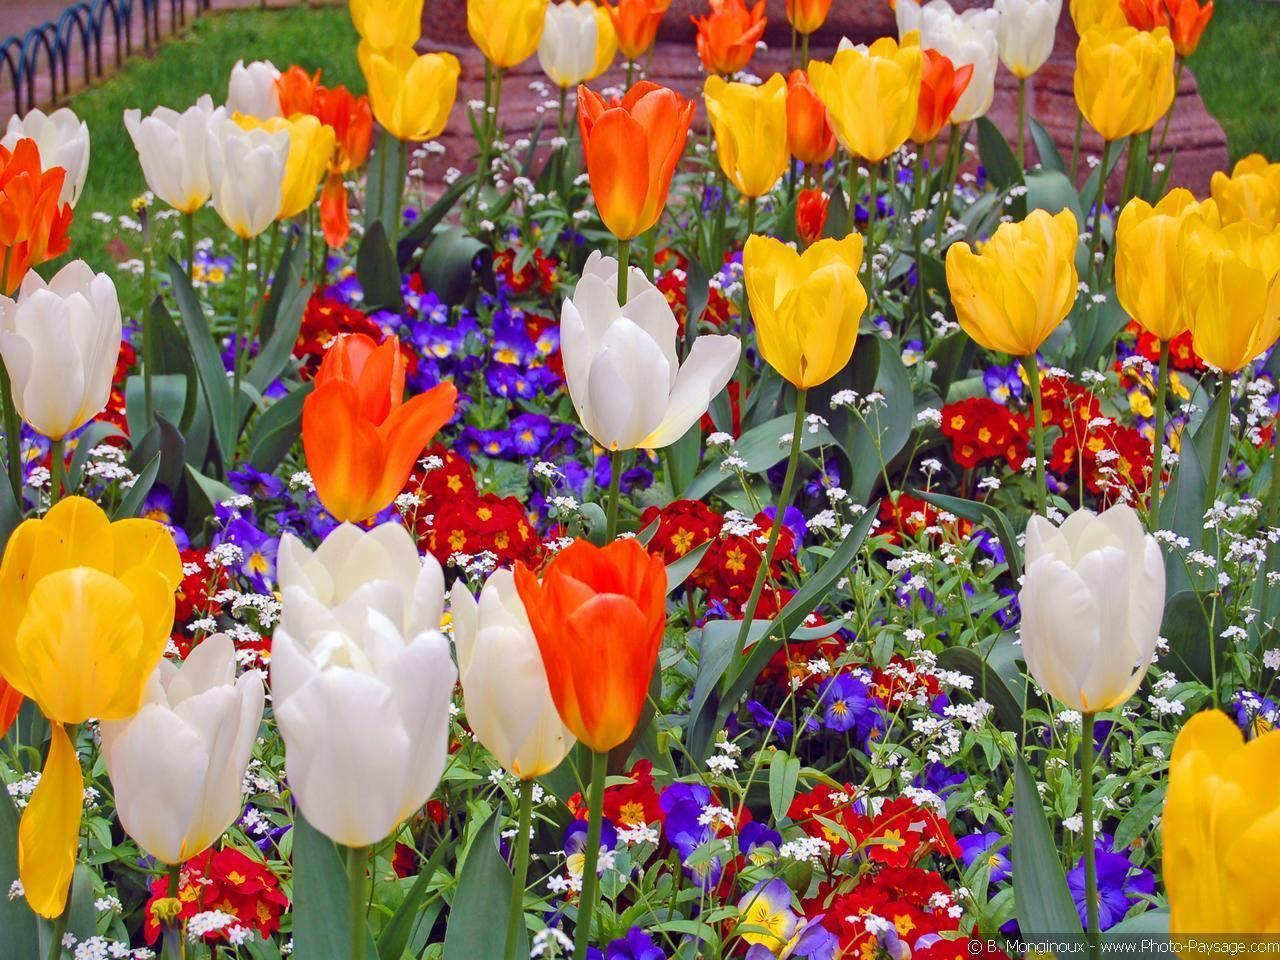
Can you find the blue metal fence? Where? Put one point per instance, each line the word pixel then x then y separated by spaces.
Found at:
pixel 50 49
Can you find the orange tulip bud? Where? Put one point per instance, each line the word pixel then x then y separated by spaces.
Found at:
pixel 598 617
pixel 335 221
pixel 811 214
pixel 1187 20
pixel 296 90
pixel 632 148
pixel 10 704
pixel 727 36
pixel 941 87
pixel 807 15
pixel 636 23
pixel 809 132
pixel 360 438
pixel 33 224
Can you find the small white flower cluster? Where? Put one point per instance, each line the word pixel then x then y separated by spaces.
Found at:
pixel 211 921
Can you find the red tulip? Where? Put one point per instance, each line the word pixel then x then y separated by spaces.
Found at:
pixel 941 87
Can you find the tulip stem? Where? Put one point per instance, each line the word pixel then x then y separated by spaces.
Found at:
pixel 60 924
pixel 1173 104
pixel 189 238
pixel 1075 145
pixel 402 169
pixel 590 882
pixel 515 915
pixel 1215 468
pixel 615 488
pixel 1095 235
pixel 1032 369
pixel 775 529
pixel 57 470
pixel 1157 444
pixel 12 433
pixel 744 312
pixel 804 50
pixel 357 859
pixel 624 263
pixel 1022 122
pixel 1090 852
pixel 148 360
pixel 951 170
pixel 239 353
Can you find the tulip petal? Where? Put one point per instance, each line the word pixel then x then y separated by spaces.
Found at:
pixel 607 631
pixel 706 371
pixel 49 835
pixel 406 433
pixel 618 164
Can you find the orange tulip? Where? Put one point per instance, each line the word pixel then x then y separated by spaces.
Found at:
pixel 360 438
pixel 33 224
pixel 809 132
pixel 1187 20
pixel 632 147
pixel 811 215
pixel 1145 14
pixel 598 617
pixel 941 87
pixel 727 36
pixel 296 89
pixel 636 23
pixel 10 704
pixel 807 15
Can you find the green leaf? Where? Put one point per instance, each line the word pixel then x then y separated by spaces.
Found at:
pixel 426 224
pixel 1182 511
pixel 449 264
pixel 274 355
pixel 383 183
pixel 395 936
pixel 682 459
pixel 95 433
pixel 131 502
pixel 377 270
pixel 1141 816
pixel 979 511
pixel 1044 904
pixel 10 514
pixel 321 914
pixel 784 774
pixel 761 448
pixel 18 935
pixel 476 927
pixel 208 359
pixel 81 916
pixel 887 427
pixel 275 431
pixel 997 156
pixel 287 276
pixel 1190 634
pixel 1051 191
pixel 678 572
pixel 1148 922
pixel 986 685
pixel 1050 158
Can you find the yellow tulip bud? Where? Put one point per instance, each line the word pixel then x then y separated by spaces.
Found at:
pixel 506 31
pixel 412 95
pixel 750 123
pixel 86 607
pixel 1221 829
pixel 1096 13
pixel 387 23
pixel 1232 283
pixel 1251 193
pixel 872 94
pixel 806 307
pixel 1149 283
pixel 311 146
pixel 1013 293
pixel 1124 79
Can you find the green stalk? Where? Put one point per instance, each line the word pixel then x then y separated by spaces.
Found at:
pixel 1273 492
pixel 190 240
pixel 57 470
pixel 564 101
pixel 60 923
pixel 1168 117
pixel 1090 854
pixel 615 488
pixel 12 433
pixel 1219 438
pixel 1022 122
pixel 952 172
pixel 1096 235
pixel 624 264
pixel 744 311
pixel 591 856
pixel 1075 145
pixel 775 529
pixel 148 350
pixel 402 168
pixel 242 318
pixel 173 948
pixel 1157 446
pixel 1033 380
pixel 515 914
pixel 357 858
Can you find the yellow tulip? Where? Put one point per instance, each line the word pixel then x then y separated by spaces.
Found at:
pixel 1097 13
pixel 872 94
pixel 806 307
pixel 606 43
pixel 506 31
pixel 1124 79
pixel 1013 293
pixel 1251 193
pixel 412 95
pixel 310 149
pixel 387 23
pixel 1232 284
pixel 750 124
pixel 86 607
pixel 1221 829
pixel 1149 242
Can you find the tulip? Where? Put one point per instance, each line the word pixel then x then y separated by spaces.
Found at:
pixel 942 84
pixel 811 215
pixel 33 219
pixel 750 124
pixel 620 363
pixel 1187 20
pixel 177 765
pixel 60 342
pixel 728 34
pixel 360 438
pixel 1096 13
pixel 1219 829
pixel 966 39
pixel 10 704
pixel 246 170
pixel 1092 603
pixel 636 23
pixel 632 148
pixel 872 94
pixel 412 95
pixel 1251 193
pixel 172 148
pixel 1144 14
pixel 361 680
pixel 387 23
pixel 252 90
pixel 807 16
pixel 311 146
pixel 296 89
pixel 506 31
pixel 809 135
pixel 1124 79
pixel 1019 286
pixel 1025 33
pixel 508 701
pixel 576 39
pixel 806 307
pixel 63 140
pixel 352 122
pixel 86 607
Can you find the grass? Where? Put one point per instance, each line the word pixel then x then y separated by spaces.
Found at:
pixel 1238 69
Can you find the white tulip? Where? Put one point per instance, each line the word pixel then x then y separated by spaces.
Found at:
pixel 1092 603
pixel 177 765
pixel 361 680
pixel 246 169
pixel 504 683
pixel 967 38
pixel 251 90
pixel 567 51
pixel 60 342
pixel 171 148
pixel 620 364
pixel 1025 33
pixel 63 141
